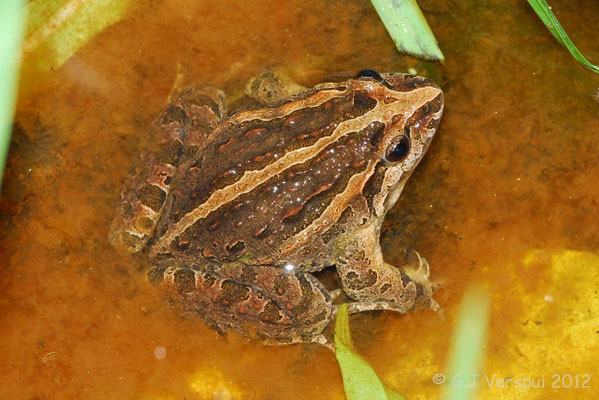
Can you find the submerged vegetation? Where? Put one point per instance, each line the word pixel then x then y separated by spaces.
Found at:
pixel 465 357
pixel 359 379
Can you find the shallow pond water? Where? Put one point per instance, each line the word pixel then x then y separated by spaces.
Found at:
pixel 508 185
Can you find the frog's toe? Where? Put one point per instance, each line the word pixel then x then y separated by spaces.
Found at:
pixel 335 294
pixel 417 268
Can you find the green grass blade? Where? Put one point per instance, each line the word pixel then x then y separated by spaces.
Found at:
pixel 408 28
pixel 342 334
pixel 11 28
pixel 359 379
pixel 467 350
pixel 549 19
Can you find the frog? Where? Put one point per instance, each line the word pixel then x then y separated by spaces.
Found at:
pixel 238 211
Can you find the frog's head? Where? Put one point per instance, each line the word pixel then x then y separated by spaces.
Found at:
pixel 408 112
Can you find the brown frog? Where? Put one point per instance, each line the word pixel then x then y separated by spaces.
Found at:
pixel 237 212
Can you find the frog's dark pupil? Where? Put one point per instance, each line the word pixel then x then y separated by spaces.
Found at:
pixel 400 150
pixel 369 73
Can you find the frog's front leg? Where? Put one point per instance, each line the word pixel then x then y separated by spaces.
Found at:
pixel 181 129
pixel 288 307
pixel 375 284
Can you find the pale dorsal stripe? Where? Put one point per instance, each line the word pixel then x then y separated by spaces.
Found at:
pixel 407 103
pixel 267 114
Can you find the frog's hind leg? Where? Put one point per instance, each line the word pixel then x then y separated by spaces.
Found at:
pixel 180 130
pixel 279 307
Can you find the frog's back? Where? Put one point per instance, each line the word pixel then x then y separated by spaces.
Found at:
pixel 265 176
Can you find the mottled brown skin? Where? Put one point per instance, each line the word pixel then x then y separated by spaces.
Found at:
pixel 275 193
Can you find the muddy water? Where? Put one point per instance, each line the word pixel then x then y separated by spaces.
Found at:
pixel 514 168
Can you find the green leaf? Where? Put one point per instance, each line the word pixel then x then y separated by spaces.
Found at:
pixel 11 33
pixel 467 350
pixel 408 28
pixel 359 379
pixel 544 12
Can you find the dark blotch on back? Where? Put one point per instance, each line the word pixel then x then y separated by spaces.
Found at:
pixel 233 292
pixel 152 196
pixel 236 248
pixel 271 312
pixel 363 103
pixel 185 280
pixel 171 152
pixel 174 114
pixel 206 101
pixel 156 275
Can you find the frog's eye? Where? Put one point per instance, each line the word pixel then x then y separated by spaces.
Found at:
pixel 369 73
pixel 399 149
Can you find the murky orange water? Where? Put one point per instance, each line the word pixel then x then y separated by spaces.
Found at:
pixel 514 167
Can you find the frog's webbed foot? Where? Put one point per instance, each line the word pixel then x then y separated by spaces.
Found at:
pixel 271 87
pixel 179 130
